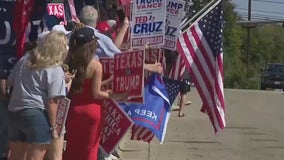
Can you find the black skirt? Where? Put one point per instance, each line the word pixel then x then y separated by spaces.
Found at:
pixel 185 87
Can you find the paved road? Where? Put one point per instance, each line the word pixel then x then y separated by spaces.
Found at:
pixel 255 131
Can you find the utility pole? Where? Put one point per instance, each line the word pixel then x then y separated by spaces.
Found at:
pixel 248 39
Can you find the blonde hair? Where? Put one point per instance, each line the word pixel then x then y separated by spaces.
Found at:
pixel 51 51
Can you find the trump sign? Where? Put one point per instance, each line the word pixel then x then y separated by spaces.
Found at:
pixel 129 73
pixel 116 124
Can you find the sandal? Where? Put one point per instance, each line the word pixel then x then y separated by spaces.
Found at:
pixel 181 115
pixel 188 103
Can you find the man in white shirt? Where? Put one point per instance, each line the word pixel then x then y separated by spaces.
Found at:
pixel 106 48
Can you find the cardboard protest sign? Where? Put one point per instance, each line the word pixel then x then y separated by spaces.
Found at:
pixel 107 64
pixel 57 10
pixel 175 11
pixel 140 6
pixel 62 112
pixel 175 8
pixel 116 125
pixel 129 73
pixel 148 23
pixel 153 55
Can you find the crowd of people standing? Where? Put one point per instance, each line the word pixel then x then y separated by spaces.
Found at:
pixel 38 82
pixel 40 79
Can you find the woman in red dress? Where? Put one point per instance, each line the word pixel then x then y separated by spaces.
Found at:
pixel 85 121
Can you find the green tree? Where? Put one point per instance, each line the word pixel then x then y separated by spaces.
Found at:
pixel 266 47
pixel 233 65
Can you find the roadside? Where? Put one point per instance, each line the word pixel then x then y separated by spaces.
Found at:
pixel 252 131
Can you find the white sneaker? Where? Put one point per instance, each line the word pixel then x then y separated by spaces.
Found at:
pixel 111 157
pixel 174 107
pixel 188 103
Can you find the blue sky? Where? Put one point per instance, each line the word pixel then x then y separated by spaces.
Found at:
pixel 261 9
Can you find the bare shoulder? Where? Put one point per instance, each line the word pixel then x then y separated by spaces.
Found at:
pixel 95 63
pixel 94 66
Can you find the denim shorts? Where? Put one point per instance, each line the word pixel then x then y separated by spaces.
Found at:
pixel 30 126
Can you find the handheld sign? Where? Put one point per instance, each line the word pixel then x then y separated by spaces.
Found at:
pixel 148 6
pixel 129 73
pixel 107 64
pixel 57 10
pixel 116 125
pixel 63 108
pixel 175 11
pixel 153 55
pixel 148 23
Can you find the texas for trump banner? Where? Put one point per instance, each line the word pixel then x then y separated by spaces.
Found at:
pixel 153 55
pixel 148 23
pixel 57 10
pixel 107 64
pixel 116 124
pixel 175 11
pixel 128 73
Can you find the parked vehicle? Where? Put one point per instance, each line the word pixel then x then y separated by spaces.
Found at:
pixel 273 76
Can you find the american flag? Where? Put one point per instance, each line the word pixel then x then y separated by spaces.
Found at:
pixel 141 133
pixel 201 48
pixel 177 69
pixel 172 87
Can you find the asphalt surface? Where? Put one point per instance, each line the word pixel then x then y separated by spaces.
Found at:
pixel 254 131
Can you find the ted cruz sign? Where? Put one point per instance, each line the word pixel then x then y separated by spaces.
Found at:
pixel 148 23
pixel 148 29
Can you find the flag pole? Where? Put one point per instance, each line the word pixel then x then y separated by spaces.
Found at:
pixel 99 10
pixel 207 9
pixel 187 21
pixel 149 151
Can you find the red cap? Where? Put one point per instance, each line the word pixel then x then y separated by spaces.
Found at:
pixel 103 26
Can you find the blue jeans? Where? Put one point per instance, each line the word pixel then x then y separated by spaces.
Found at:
pixel 30 126
pixel 3 127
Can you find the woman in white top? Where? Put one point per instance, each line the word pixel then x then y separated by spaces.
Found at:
pixel 38 83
